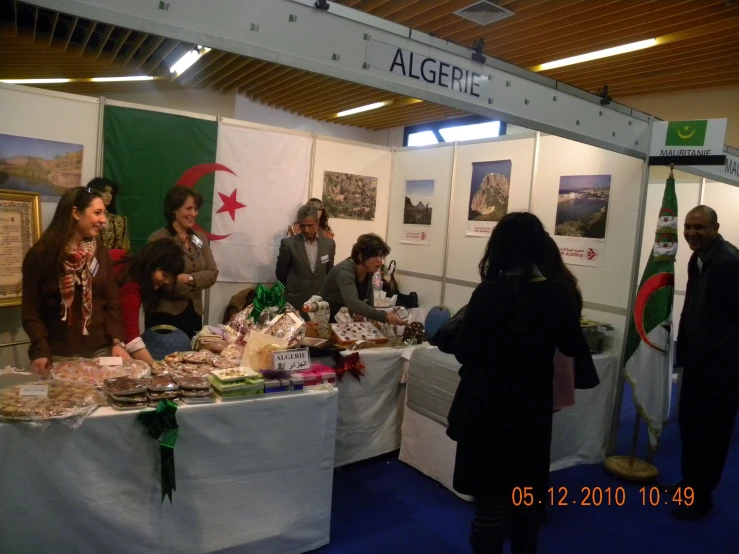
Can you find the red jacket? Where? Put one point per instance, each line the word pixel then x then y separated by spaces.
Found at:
pixel 130 299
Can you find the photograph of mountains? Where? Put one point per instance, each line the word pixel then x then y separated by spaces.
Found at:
pixel 347 196
pixel 582 206
pixel 46 167
pixel 489 190
pixel 418 198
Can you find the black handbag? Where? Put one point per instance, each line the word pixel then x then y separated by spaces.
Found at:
pixel 389 284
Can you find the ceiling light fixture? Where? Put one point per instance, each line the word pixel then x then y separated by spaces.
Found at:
pixel 615 51
pixel 361 109
pixel 186 61
pixel 121 79
pixel 33 81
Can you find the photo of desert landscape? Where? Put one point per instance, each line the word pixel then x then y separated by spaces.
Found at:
pixel 348 196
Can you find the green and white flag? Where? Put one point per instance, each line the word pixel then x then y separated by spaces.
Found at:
pixel 252 180
pixel 648 338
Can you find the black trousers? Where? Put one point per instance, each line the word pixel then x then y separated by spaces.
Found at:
pixel 708 410
pixel 188 321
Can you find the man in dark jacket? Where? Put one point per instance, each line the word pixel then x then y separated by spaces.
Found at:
pixel 708 347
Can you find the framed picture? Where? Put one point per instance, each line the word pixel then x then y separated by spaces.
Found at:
pixel 20 228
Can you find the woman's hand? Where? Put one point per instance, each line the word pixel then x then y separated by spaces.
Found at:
pixel 394 319
pixel 40 366
pixel 183 278
pixel 120 352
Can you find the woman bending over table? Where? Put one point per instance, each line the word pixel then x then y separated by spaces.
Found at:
pixel 144 278
pixel 349 283
pixel 70 302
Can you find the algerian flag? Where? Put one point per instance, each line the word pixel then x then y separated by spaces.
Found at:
pixel 252 180
pixel 649 335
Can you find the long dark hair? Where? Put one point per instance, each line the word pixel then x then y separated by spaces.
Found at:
pixel 553 267
pixel 100 184
pixel 323 220
pixel 63 224
pixel 516 244
pixel 162 254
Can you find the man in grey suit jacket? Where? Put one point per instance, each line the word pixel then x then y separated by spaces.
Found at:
pixel 305 260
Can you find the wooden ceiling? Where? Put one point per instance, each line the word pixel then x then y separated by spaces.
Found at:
pixel 701 49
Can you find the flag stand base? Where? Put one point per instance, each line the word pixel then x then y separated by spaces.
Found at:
pixel 631 469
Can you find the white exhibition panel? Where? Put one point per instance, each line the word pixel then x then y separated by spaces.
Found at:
pixel 465 252
pixel 34 113
pixel 428 291
pixel 725 200
pixel 608 285
pixel 352 158
pixel 434 163
pixel 457 296
pixel 255 474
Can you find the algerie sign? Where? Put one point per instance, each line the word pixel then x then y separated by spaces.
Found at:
pixel 695 142
pixel 413 65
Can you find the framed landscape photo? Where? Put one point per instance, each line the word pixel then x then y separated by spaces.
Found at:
pixel 20 228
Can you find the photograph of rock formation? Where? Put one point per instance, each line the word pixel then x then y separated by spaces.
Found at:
pixel 347 196
pixel 46 167
pixel 489 190
pixel 419 196
pixel 582 206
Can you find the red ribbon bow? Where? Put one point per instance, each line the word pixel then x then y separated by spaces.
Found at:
pixel 351 364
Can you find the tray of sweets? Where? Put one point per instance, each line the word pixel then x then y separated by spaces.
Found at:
pixel 348 333
pixel 234 374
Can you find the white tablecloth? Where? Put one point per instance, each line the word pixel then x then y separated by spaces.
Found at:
pixel 370 410
pixel 254 474
pixel 579 434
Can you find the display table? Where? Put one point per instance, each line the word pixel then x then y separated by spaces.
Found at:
pixel 370 410
pixel 252 476
pixel 579 433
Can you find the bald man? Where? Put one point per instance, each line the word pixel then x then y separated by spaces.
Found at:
pixel 708 348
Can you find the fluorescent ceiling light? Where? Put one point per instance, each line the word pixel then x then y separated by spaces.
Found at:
pixel 121 79
pixel 34 81
pixel 361 109
pixel 424 138
pixel 184 63
pixel 615 51
pixel 490 129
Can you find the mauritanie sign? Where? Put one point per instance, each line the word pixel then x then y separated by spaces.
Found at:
pixel 696 142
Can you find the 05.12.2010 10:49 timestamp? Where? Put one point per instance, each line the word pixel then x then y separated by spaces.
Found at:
pixel 598 496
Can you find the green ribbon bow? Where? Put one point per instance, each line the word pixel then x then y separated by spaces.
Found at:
pixel 273 297
pixel 162 425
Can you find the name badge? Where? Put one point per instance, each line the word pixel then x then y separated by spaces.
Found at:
pixel 94 266
pixel 196 241
pixel 324 259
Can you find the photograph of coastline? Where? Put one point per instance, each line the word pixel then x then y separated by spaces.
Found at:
pixel 418 202
pixel 582 206
pixel 46 167
pixel 348 196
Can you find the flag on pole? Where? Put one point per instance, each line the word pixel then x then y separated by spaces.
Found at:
pixel 648 340
pixel 252 180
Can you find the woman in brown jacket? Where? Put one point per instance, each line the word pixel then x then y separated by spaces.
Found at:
pixel 183 307
pixel 70 298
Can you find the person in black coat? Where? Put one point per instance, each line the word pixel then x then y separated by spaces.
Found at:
pixel 708 348
pixel 501 416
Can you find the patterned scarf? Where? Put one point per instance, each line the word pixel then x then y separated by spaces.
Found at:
pixel 77 272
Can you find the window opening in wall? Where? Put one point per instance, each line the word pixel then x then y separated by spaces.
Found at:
pixel 450 130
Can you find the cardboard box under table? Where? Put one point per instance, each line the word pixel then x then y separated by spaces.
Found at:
pixel 239 489
pixel 579 433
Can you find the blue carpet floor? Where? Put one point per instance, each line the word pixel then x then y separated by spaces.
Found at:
pixel 385 507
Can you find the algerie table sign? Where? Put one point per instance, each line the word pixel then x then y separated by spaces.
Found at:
pixel 291 360
pixel 697 142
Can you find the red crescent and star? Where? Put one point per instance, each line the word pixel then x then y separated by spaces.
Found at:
pixel 650 287
pixel 230 204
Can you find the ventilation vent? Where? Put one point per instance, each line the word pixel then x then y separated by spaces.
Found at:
pixel 484 13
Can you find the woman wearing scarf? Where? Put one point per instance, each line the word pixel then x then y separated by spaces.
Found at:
pixel 70 298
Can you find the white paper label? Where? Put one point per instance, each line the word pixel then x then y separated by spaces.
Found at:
pixel 291 360
pixel 196 241
pixel 111 360
pixel 34 390
pixel 324 259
